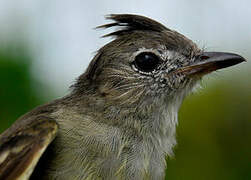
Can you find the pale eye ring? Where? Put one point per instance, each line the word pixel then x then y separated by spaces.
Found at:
pixel 146 61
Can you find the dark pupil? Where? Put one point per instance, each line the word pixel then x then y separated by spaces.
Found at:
pixel 146 62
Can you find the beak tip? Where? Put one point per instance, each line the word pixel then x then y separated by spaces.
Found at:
pixel 240 59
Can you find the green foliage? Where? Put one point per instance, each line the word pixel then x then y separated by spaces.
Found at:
pixel 17 95
pixel 214 135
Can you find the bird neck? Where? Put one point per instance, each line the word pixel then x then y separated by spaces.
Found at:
pixel 153 121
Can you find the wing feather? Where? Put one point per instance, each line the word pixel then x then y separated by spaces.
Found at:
pixel 21 149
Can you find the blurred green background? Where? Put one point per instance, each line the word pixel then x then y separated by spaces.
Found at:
pixel 214 132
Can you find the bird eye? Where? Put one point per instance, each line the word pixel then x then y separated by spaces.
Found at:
pixel 146 61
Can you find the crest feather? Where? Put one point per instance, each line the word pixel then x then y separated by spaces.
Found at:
pixel 129 22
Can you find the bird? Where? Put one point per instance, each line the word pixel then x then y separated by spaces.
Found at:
pixel 119 119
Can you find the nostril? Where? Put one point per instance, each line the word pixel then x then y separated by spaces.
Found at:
pixel 203 57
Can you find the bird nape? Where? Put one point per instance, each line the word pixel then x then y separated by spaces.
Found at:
pixel 119 120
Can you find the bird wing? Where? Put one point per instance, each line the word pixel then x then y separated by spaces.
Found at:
pixel 21 147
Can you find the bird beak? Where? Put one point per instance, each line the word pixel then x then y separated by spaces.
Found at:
pixel 211 61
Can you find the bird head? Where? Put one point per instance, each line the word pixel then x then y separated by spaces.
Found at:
pixel 148 63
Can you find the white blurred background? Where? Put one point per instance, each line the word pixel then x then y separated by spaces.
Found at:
pixel 62 38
